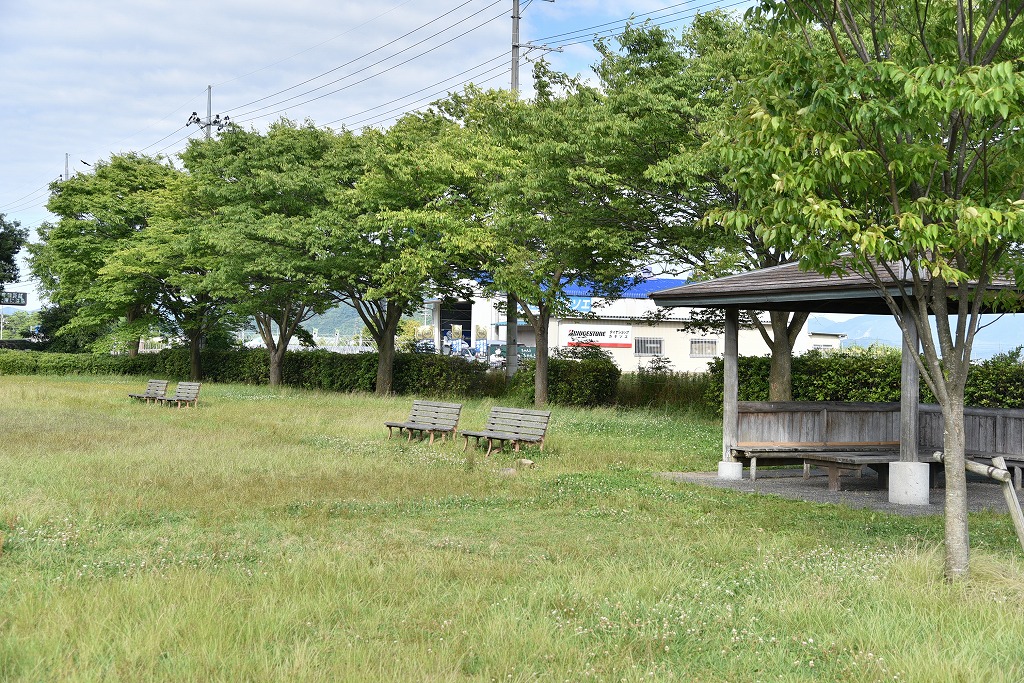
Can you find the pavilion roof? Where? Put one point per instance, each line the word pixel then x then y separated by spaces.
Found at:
pixel 788 288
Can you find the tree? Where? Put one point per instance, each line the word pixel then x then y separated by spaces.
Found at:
pixel 263 192
pixel 666 100
pixel 99 213
pixel 21 324
pixel 12 238
pixel 173 257
pixel 392 237
pixel 888 143
pixel 548 225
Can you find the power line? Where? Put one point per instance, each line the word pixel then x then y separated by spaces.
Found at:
pixel 571 38
pixel 19 199
pixel 369 66
pixel 565 39
pixel 313 47
pixel 384 116
pixel 366 54
pixel 428 87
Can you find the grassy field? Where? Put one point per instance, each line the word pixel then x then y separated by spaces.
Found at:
pixel 276 535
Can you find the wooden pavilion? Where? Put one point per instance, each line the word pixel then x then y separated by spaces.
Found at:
pixel 897 440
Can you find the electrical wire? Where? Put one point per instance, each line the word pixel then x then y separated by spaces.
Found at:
pixel 366 54
pixel 385 116
pixel 615 27
pixel 618 27
pixel 416 92
pixel 369 66
pixel 312 47
pixel 20 199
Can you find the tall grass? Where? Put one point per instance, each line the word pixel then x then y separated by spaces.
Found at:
pixel 277 535
pixel 687 391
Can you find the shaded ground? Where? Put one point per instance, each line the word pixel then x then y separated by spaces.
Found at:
pixel 863 492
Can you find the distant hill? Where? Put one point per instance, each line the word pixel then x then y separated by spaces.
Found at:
pixel 343 318
pixel 1004 334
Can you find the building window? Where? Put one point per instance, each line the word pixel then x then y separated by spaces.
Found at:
pixel 647 346
pixel 703 348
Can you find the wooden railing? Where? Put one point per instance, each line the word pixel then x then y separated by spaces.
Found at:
pixel 987 430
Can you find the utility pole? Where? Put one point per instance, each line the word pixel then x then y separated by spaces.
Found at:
pixel 511 302
pixel 210 121
pixel 67 156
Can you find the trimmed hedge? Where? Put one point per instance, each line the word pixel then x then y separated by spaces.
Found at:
pixel 414 372
pixel 584 382
pixel 870 375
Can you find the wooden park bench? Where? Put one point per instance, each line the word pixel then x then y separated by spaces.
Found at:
pixel 512 425
pixel 798 452
pixel 155 388
pixel 429 417
pixel 185 393
pixel 836 458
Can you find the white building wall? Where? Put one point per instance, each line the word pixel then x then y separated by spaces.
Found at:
pixel 626 329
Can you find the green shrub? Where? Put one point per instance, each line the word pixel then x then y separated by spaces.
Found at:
pixel 997 382
pixel 578 376
pixel 18 362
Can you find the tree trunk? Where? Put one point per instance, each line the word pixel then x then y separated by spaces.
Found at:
pixel 540 379
pixel 386 349
pixel 953 443
pixel 781 340
pixel 195 340
pixel 276 363
pixel 133 346
pixel 780 375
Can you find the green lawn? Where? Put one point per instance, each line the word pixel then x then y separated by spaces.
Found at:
pixel 277 535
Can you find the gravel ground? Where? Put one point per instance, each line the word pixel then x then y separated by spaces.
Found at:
pixel 863 492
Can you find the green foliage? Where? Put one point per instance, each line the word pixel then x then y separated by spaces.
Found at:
pixel 583 377
pixel 449 376
pixel 997 382
pixel 12 237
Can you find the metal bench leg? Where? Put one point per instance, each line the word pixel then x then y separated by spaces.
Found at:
pixel 753 469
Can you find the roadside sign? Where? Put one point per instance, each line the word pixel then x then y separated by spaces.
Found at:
pixel 13 298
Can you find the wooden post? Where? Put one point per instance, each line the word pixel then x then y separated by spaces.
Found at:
pixel 1011 500
pixel 910 387
pixel 730 401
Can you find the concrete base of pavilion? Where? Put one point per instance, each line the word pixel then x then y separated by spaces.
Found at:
pixel 908 483
pixel 730 471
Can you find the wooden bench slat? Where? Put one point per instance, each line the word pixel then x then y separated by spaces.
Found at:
pixel 429 417
pixel 155 388
pixel 512 425
pixel 185 392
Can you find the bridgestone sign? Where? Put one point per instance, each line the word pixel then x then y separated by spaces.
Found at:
pixel 13 299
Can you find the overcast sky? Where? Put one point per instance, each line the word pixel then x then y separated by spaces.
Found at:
pixel 91 79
